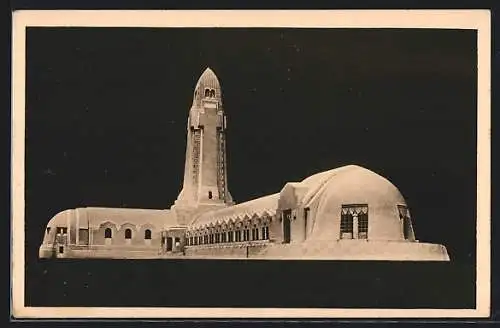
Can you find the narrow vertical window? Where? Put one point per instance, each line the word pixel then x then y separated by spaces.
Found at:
pixel 147 234
pixel 128 234
pixel 207 92
pixel 210 195
pixel 306 217
pixel 265 232
pixel 363 225
pixel 287 217
pixel 107 233
pixel 404 216
pixel 346 225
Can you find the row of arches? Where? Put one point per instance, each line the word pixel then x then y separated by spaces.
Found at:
pixel 253 229
pixel 108 233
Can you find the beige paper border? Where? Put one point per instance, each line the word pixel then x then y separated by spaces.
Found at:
pixel 456 19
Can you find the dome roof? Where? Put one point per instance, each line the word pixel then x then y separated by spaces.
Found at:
pixel 208 80
pixel 355 185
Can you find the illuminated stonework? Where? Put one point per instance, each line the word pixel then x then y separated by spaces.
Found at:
pixel 348 213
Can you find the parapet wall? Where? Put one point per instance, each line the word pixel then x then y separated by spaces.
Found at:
pixel 96 251
pixel 358 250
pixel 225 251
pixel 345 250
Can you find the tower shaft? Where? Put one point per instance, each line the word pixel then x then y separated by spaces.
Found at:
pixel 205 170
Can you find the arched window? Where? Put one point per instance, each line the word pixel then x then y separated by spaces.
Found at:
pixel 210 195
pixel 128 234
pixel 147 234
pixel 207 92
pixel 107 233
pixel 212 93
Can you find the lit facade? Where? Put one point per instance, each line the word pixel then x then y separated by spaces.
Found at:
pixel 347 213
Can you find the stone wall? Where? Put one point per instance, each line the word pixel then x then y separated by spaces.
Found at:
pixel 237 250
pixel 111 252
pixel 347 250
pixel 118 235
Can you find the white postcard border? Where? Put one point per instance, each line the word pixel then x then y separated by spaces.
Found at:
pixel 452 19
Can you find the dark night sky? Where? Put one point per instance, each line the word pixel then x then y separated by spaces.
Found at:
pixel 107 109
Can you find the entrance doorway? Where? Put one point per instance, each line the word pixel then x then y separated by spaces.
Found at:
pixel 169 244
pixel 287 217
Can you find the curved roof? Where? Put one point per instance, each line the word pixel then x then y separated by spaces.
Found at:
pixel 315 183
pixel 356 182
pixel 95 216
pixel 135 216
pixel 259 206
pixel 60 219
pixel 355 185
pixel 208 80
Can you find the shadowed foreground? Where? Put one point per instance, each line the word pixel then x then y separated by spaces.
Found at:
pixel 235 283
